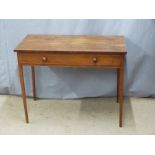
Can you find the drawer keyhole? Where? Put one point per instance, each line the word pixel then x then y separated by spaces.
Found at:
pixel 94 60
pixel 44 59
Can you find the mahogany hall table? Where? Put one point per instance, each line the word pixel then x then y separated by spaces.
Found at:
pixel 72 51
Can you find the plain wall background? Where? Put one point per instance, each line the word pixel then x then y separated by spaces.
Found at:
pixel 76 83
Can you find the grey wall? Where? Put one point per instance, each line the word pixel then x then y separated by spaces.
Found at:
pixel 73 82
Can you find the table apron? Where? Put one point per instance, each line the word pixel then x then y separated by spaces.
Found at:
pixel 71 60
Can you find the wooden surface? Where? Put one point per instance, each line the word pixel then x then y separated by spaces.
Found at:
pixel 72 51
pixel 22 83
pixel 77 60
pixel 71 43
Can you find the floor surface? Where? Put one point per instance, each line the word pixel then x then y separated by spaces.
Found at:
pixel 83 116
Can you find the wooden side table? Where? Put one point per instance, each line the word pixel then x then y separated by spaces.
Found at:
pixel 72 51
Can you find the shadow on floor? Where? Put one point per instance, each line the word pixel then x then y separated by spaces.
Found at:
pixel 106 109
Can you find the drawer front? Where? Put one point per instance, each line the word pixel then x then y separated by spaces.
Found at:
pixel 70 59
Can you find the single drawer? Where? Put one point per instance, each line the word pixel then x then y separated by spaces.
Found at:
pixel 70 59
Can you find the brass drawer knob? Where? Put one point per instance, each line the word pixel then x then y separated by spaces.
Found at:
pixel 94 60
pixel 44 59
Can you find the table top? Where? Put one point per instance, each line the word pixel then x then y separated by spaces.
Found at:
pixel 73 43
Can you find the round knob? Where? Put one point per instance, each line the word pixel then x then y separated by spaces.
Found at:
pixel 94 60
pixel 44 59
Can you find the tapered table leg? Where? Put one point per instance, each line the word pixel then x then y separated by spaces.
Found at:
pixel 120 92
pixel 21 75
pixel 33 82
pixel 118 85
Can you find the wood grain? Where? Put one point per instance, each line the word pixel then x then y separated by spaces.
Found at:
pixel 21 75
pixel 69 59
pixel 72 43
pixel 120 90
pixel 33 82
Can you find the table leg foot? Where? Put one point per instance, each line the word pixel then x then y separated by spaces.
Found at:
pixel 120 113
